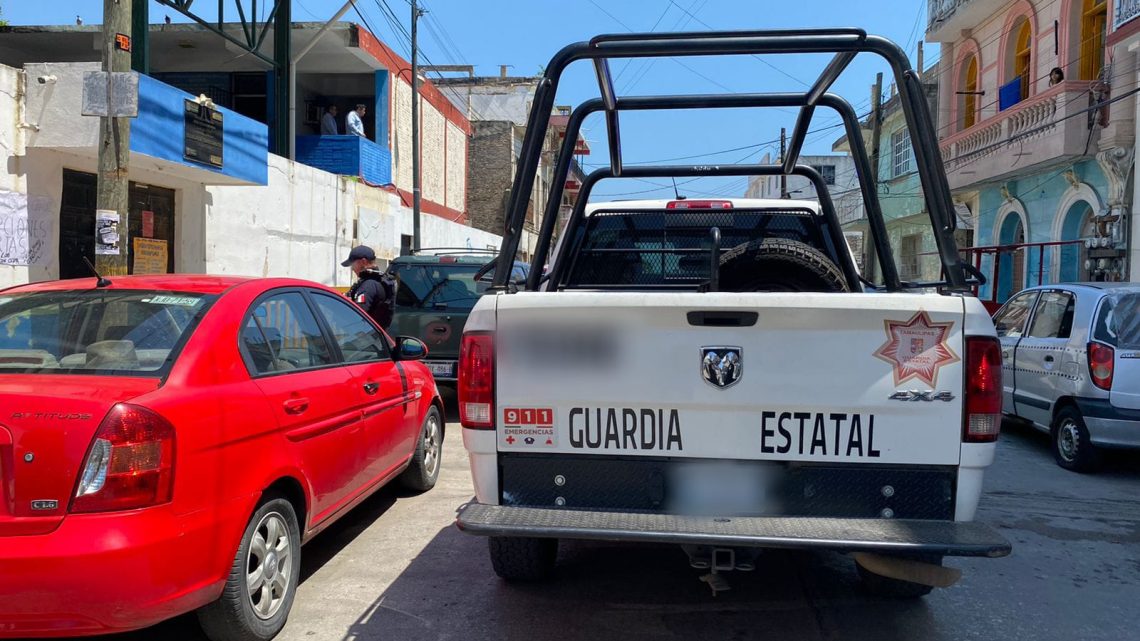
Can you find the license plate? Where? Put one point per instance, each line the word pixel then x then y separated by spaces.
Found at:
pixel 722 489
pixel 442 369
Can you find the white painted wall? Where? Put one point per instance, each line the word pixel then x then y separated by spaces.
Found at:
pixel 383 219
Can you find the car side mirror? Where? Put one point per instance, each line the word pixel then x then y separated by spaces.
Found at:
pixel 410 349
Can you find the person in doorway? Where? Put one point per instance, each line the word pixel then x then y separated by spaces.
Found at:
pixel 1056 76
pixel 373 291
pixel 353 122
pixel 328 122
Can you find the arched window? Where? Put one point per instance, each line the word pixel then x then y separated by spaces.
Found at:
pixel 1023 58
pixel 970 93
pixel 1094 24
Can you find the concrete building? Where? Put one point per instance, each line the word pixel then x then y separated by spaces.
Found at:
pixel 1041 163
pixel 254 213
pixel 498 108
pixel 901 198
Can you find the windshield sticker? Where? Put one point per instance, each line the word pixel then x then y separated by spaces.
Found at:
pixel 917 348
pixel 183 301
pixel 528 428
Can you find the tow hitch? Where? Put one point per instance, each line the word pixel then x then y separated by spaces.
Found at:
pixel 719 560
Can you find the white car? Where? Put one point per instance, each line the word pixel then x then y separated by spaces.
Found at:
pixel 1071 366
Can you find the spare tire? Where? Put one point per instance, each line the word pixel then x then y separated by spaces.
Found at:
pixel 779 265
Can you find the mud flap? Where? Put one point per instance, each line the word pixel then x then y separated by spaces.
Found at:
pixel 903 569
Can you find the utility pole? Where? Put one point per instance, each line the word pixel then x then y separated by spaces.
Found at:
pixel 876 126
pixel 783 151
pixel 113 188
pixel 416 13
pixel 876 133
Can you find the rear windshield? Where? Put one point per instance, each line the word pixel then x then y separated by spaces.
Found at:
pixel 96 332
pixel 449 287
pixel 1118 321
pixel 669 248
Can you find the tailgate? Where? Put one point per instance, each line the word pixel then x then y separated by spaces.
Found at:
pixel 835 378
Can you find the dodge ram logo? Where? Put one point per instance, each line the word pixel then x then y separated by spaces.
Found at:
pixel 722 366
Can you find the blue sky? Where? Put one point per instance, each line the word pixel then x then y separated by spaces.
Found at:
pixel 526 33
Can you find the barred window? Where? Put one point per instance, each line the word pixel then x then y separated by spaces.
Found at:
pixel 900 144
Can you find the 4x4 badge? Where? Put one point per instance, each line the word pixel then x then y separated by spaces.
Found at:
pixel 722 365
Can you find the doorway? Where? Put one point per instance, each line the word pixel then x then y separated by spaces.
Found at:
pixel 151 216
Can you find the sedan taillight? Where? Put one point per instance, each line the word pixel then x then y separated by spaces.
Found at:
pixel 130 463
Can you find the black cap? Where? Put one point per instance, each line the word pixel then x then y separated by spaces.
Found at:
pixel 358 252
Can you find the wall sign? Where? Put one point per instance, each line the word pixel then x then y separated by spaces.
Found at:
pixel 150 256
pixel 148 224
pixel 203 139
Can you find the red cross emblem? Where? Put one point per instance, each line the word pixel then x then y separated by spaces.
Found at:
pixel 510 440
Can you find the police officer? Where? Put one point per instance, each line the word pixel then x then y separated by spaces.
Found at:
pixel 373 291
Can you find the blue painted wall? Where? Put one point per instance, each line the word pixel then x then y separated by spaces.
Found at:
pixel 159 131
pixel 1041 194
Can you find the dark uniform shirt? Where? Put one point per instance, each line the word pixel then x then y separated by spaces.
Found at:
pixel 370 294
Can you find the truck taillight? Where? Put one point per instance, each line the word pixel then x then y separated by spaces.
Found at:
pixel 983 390
pixel 130 463
pixel 699 204
pixel 477 381
pixel 1101 361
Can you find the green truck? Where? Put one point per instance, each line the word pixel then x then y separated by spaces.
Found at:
pixel 437 289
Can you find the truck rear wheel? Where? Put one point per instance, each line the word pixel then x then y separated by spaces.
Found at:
pixel 884 586
pixel 779 265
pixel 522 559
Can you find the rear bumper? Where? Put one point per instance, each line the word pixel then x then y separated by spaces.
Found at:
pixel 947 538
pixel 1110 426
pixel 103 573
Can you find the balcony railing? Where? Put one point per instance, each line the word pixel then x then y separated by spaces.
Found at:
pixel 348 156
pixel 938 11
pixel 1040 128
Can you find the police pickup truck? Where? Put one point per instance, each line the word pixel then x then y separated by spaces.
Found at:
pixel 717 374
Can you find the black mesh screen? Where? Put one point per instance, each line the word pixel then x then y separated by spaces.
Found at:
pixel 670 249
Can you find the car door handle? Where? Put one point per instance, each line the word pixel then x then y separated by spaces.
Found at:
pixel 440 330
pixel 371 388
pixel 296 405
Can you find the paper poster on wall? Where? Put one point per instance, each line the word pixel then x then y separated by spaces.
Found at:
pixel 27 229
pixel 148 224
pixel 150 256
pixel 106 232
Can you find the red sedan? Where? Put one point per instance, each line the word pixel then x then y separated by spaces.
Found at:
pixel 167 444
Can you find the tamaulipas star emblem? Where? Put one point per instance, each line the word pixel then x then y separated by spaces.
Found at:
pixel 917 348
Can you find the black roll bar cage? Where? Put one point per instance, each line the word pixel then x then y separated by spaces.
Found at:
pixel 844 43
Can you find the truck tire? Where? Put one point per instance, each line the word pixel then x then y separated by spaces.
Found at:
pixel 883 586
pixel 779 265
pixel 1072 446
pixel 522 559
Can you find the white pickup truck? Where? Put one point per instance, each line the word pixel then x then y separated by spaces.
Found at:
pixel 716 374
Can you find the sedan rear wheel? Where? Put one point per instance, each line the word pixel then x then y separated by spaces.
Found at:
pixel 263 578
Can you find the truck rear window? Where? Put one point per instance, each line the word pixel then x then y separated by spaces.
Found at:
pixel 100 332
pixel 670 248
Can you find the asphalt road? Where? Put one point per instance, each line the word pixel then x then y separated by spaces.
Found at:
pixel 397 569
